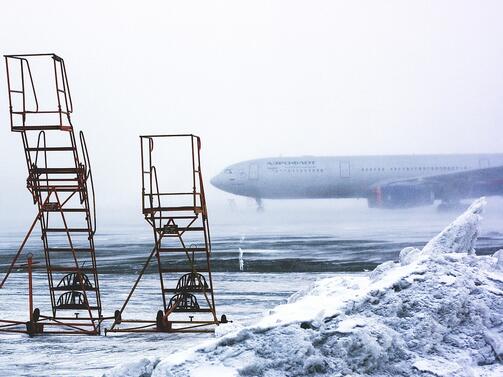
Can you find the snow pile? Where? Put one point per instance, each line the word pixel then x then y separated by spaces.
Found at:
pixel 459 236
pixel 140 368
pixel 437 312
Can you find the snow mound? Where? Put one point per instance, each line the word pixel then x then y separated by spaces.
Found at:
pixel 140 368
pixel 439 312
pixel 460 236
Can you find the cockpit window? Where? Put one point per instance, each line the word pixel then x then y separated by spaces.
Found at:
pixel 228 171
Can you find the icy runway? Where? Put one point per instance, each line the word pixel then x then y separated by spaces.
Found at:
pixel 341 322
pixel 437 311
pixel 242 297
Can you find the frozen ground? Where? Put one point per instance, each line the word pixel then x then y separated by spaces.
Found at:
pixel 242 296
pixel 279 259
pixel 437 311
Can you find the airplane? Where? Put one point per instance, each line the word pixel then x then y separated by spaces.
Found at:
pixel 400 181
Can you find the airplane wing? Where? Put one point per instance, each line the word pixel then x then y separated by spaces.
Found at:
pixel 446 186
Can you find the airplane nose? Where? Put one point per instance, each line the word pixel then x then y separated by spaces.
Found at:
pixel 216 181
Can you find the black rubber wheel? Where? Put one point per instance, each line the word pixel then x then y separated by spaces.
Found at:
pixel 223 319
pixel 160 320
pixel 36 314
pixel 118 316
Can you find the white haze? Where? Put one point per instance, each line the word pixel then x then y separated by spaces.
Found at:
pixel 257 79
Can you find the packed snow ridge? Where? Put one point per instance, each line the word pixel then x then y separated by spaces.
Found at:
pixel 436 312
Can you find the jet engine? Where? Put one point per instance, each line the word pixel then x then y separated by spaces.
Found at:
pixel 400 195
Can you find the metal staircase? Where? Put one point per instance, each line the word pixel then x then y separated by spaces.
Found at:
pixel 61 186
pixel 182 244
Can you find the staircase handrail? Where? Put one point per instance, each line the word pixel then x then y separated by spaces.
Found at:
pixel 88 175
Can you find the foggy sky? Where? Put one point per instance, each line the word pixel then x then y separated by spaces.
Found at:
pixel 259 79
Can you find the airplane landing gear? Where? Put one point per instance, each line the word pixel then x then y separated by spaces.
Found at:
pixel 260 205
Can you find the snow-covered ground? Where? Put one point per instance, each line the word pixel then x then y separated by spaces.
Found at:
pixel 438 311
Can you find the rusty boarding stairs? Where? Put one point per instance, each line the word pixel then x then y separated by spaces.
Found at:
pixel 61 186
pixel 182 245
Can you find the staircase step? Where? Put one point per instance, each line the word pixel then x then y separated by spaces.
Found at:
pixel 172 217
pixel 184 270
pixel 62 188
pixel 173 209
pixel 181 249
pixel 184 229
pixel 72 269
pixel 201 310
pixel 50 149
pixel 41 128
pixel 71 230
pixel 52 179
pixel 66 210
pixel 56 170
pixel 69 250
pixel 174 290
pixel 70 289
pixel 76 307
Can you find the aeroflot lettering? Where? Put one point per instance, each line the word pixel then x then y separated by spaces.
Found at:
pixel 290 163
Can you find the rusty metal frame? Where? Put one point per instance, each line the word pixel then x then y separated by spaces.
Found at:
pixel 55 190
pixel 165 222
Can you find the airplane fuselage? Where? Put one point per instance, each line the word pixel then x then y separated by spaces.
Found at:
pixel 339 177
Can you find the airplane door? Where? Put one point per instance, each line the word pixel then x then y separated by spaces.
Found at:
pixel 345 169
pixel 484 163
pixel 253 172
